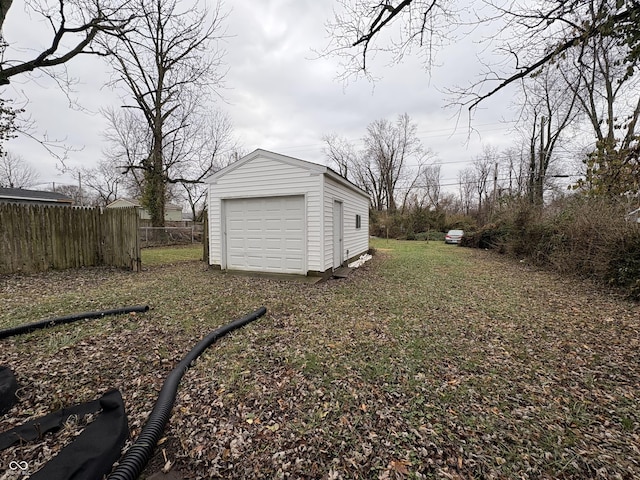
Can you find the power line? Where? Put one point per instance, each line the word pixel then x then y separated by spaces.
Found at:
pixel 432 133
pixel 473 182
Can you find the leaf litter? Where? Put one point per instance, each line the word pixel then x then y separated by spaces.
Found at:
pixel 427 362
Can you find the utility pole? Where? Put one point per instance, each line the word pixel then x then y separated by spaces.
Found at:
pixel 495 182
pixel 80 187
pixel 540 176
pixel 495 188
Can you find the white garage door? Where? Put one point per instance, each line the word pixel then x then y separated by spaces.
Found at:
pixel 265 234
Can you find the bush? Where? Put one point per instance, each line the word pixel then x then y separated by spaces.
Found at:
pixel 493 236
pixel 624 266
pixel 589 234
pixel 433 235
pixel 579 235
pixel 412 222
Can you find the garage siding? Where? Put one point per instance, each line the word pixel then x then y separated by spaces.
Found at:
pixel 356 241
pixel 266 177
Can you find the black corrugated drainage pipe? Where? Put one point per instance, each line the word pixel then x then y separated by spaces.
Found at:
pixel 138 455
pixel 30 327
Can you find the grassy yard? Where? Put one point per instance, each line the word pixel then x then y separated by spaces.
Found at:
pixel 168 255
pixel 431 361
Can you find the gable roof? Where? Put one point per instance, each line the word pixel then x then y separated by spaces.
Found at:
pixel 312 167
pixel 136 203
pixel 21 194
pixel 130 201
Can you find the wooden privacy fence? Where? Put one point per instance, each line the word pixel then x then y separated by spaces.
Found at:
pixel 35 238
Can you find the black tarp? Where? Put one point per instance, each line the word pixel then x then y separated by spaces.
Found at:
pixel 92 454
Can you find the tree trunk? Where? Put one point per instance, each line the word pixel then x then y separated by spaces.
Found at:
pixel 154 190
pixel 4 8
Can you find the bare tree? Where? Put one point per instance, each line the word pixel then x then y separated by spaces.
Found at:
pixel 15 172
pixel 129 145
pixel 169 60
pixel 483 165
pixel 341 153
pixel 358 24
pixel 74 192
pixel 607 94
pixel 388 168
pixel 75 25
pixel 102 182
pixel 356 166
pixel 466 186
pixel 430 177
pixel 450 203
pixel 389 148
pixel 191 153
pixel 606 91
pixel 393 169
pixel 212 146
pixel 531 34
pixel 548 108
pixel 367 177
pixel 516 162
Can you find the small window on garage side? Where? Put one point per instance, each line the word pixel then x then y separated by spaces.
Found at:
pixel 358 221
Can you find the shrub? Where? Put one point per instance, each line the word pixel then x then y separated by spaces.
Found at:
pixel 460 222
pixel 624 265
pixel 411 223
pixel 433 235
pixel 492 236
pixel 579 235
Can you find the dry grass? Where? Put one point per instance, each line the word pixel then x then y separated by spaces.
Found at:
pixel 164 255
pixel 431 361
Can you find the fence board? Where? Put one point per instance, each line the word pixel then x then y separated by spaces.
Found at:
pixel 37 238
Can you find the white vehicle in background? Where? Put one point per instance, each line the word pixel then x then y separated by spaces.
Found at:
pixel 453 236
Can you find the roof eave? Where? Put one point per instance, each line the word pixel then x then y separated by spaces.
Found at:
pixel 343 181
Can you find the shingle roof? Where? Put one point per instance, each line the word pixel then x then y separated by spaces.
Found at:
pixel 33 195
pixel 136 203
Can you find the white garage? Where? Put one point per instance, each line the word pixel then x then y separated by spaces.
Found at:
pixel 278 214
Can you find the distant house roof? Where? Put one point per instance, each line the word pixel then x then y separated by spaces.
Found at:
pixel 124 202
pixel 21 195
pixel 132 202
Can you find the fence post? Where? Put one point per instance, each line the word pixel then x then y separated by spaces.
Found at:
pixel 205 237
pixel 138 256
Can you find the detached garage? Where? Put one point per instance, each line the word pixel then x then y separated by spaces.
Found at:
pixel 278 214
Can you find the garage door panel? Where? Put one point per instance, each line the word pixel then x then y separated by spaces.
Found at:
pixel 253 243
pixel 253 223
pixel 291 243
pixel 273 246
pixel 266 234
pixel 273 224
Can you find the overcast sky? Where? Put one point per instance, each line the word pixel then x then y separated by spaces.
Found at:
pixel 279 97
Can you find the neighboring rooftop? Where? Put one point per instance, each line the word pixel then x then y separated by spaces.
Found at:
pixel 21 195
pixel 132 202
